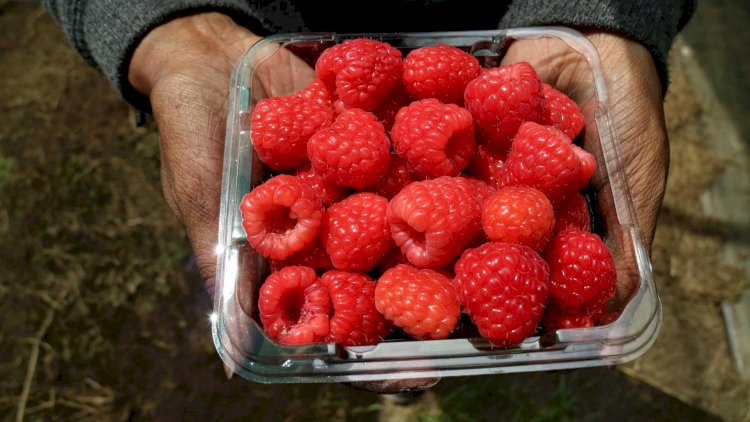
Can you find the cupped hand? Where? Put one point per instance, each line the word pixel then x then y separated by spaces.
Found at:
pixel 184 67
pixel 636 107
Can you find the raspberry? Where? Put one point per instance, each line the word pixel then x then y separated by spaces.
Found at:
pixel 356 233
pixel 481 189
pixel 328 192
pixel 555 319
pixel 501 99
pixel 361 71
pixel 520 215
pixel 393 257
pixel 294 306
pixel 572 214
pixel 282 126
pixel 433 220
pixel 397 178
pixel 282 216
pixel 316 91
pixel 582 273
pixel 561 112
pixel 544 158
pixel 353 152
pixel 422 302
pixel 314 256
pixel 434 139
pixel 503 288
pixel 439 71
pixel 388 110
pixel 486 162
pixel 355 320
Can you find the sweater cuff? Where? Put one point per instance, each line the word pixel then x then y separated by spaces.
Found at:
pixel 652 23
pixel 110 46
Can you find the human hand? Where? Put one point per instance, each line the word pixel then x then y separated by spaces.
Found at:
pixel 184 67
pixel 635 98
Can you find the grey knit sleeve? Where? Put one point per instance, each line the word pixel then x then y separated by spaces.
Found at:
pixel 653 23
pixel 105 32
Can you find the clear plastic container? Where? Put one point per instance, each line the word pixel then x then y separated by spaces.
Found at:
pixel 237 334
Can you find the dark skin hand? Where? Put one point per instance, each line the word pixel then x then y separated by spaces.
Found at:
pixel 184 67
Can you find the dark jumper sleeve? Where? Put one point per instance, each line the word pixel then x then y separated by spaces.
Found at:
pixel 653 23
pixel 106 32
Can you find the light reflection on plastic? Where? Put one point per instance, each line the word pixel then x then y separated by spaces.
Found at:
pixel 213 317
pixel 218 249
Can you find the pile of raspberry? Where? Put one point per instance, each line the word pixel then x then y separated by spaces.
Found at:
pixel 410 190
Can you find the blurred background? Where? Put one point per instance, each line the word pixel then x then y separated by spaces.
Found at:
pixel 102 318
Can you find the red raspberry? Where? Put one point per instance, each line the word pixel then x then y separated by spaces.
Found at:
pixel 356 233
pixel 314 256
pixel 520 215
pixel 482 190
pixel 355 320
pixel 439 71
pixel 282 126
pixel 294 306
pixel 433 220
pixel 486 162
pixel 435 139
pixel 361 71
pixel 282 216
pixel 582 273
pixel 388 110
pixel 393 257
pixel 544 158
pixel 354 151
pixel 398 177
pixel 328 192
pixel 316 91
pixel 555 319
pixel 503 288
pixel 422 302
pixel 501 99
pixel 572 214
pixel 561 112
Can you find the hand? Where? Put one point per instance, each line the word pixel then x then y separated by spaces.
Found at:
pixel 184 67
pixel 635 97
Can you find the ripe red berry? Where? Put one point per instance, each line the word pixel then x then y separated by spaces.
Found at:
pixel 433 220
pixel 502 98
pixel 397 178
pixel 282 126
pixel 572 214
pixel 328 192
pixel 422 302
pixel 520 215
pixel 486 163
pixel 434 139
pixel 544 158
pixel 582 273
pixel 353 152
pixel 356 233
pixel 439 71
pixel 388 110
pixel 555 319
pixel 355 320
pixel 316 91
pixel 361 71
pixel 294 306
pixel 561 112
pixel 314 256
pixel 281 217
pixel 503 288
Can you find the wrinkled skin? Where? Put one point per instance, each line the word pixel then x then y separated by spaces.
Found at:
pixel 184 67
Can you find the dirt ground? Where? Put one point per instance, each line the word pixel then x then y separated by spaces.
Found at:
pixel 102 317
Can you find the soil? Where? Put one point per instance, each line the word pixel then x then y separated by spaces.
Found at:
pixel 104 319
